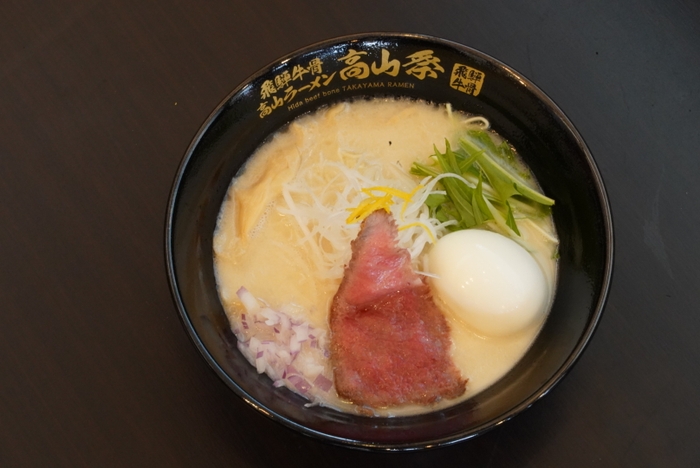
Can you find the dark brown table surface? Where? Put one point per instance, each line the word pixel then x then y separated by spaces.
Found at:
pixel 98 103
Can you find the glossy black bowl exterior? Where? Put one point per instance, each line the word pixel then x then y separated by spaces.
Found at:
pixel 400 65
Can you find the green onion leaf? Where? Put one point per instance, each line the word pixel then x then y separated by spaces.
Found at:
pixel 494 191
pixel 510 220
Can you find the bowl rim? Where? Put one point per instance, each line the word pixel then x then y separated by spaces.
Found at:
pixel 545 388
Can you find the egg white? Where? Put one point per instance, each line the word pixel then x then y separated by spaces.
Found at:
pixel 488 281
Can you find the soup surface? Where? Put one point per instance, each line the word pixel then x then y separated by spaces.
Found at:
pixel 283 240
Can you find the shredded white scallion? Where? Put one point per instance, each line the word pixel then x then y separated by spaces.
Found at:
pixel 477 120
pixel 320 197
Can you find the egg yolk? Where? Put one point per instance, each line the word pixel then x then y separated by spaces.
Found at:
pixel 488 281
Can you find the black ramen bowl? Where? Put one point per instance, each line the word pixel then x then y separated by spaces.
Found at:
pixel 410 66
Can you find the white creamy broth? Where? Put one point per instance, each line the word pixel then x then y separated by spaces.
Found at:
pixel 280 254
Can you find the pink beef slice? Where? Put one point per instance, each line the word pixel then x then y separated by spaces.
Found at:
pixel 390 344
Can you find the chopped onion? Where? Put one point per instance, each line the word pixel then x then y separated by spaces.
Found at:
pixel 323 383
pixel 292 352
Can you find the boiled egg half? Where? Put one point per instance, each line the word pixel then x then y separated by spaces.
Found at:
pixel 488 281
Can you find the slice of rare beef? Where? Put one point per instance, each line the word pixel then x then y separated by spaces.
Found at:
pixel 390 344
